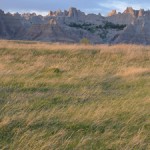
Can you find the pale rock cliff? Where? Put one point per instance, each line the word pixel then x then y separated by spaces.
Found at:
pixel 131 26
pixel 112 13
pixel 138 32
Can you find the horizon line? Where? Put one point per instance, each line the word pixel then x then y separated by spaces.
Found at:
pixel 45 13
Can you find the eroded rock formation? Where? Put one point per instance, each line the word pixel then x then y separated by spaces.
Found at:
pixel 112 13
pixel 131 26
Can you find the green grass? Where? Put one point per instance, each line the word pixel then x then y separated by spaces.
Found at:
pixel 67 97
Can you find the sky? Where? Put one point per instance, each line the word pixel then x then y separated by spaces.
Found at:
pixel 88 6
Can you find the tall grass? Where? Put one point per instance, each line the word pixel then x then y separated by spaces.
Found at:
pixel 57 96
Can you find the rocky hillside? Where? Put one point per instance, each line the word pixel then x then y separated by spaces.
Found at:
pixel 131 26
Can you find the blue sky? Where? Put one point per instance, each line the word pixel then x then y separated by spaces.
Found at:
pixel 93 6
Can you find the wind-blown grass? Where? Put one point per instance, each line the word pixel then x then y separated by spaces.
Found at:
pixel 57 96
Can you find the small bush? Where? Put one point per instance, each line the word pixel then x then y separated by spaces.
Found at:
pixel 85 41
pixel 56 70
pixel 110 25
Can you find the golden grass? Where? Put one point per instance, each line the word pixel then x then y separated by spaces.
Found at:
pixel 136 49
pixel 133 71
pixel 59 96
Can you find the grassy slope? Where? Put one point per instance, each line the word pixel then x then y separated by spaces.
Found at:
pixel 74 97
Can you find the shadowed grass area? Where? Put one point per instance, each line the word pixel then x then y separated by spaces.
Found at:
pixel 55 96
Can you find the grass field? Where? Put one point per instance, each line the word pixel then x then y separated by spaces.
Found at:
pixel 74 97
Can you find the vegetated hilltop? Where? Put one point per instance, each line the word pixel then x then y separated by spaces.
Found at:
pixel 74 96
pixel 131 26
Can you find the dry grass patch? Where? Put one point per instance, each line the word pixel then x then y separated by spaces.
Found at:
pixel 133 71
pixel 59 96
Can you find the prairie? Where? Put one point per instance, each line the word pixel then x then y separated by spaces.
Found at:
pixel 64 97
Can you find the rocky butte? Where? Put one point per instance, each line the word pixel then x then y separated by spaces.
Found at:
pixel 131 26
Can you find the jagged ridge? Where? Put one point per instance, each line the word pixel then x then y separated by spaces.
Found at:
pixel 131 26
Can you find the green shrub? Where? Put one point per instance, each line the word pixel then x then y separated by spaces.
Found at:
pixel 56 70
pixel 110 25
pixel 85 41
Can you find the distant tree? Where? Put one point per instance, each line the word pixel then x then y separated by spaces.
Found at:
pixel 85 41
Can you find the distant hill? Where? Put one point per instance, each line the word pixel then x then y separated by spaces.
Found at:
pixel 131 26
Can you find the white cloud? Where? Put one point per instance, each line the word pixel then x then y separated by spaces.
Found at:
pixel 119 5
pixel 92 10
pixel 43 13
